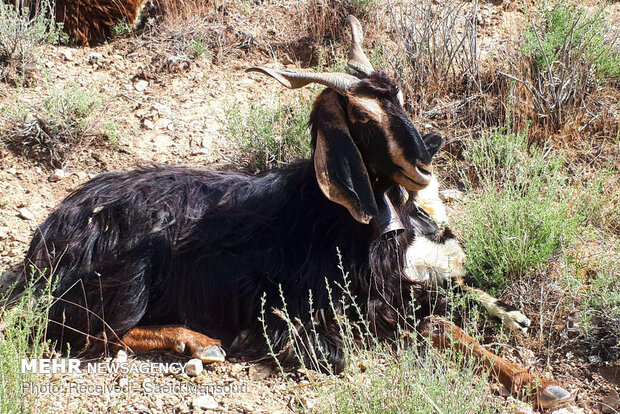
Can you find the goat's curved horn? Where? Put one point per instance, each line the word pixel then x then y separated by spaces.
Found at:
pixel 341 82
pixel 357 58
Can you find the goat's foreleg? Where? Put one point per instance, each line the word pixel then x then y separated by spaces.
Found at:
pixel 176 339
pixel 517 379
pixel 510 316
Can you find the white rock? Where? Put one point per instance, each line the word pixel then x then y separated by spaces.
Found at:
pixel 123 382
pixel 141 85
pixel 163 123
pixel 121 357
pixel 451 195
pixel 25 214
pixel 162 110
pixel 95 58
pixel 193 367
pixel 67 54
pixel 309 403
pixel 205 402
pixel 57 175
pixel 148 124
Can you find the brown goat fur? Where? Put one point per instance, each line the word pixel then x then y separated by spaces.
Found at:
pixel 90 22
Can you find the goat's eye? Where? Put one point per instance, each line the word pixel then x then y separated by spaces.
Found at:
pixel 358 115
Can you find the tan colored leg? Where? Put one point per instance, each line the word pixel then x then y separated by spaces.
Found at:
pixel 174 338
pixel 517 379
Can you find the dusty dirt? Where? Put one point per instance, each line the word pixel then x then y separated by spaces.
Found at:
pixel 178 117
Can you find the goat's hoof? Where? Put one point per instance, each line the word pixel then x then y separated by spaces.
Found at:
pixel 211 354
pixel 516 321
pixel 551 395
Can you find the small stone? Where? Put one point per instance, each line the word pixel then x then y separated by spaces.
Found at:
pixel 162 110
pixel 206 142
pixel 193 367
pixel 236 369
pixel 205 402
pixel 95 58
pixel 259 372
pixel 121 357
pixel 14 253
pixel 148 124
pixel 25 214
pixel 123 382
pixel 57 175
pixel 595 359
pixel 67 54
pixel 309 403
pixel 451 195
pixel 163 123
pixel 12 171
pixel 141 85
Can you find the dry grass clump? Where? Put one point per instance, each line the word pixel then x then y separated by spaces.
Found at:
pixel 560 80
pixel 323 20
pixel 23 28
pixel 438 51
pixel 52 131
pixel 568 56
pixel 182 31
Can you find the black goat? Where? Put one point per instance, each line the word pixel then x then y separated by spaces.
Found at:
pixel 171 257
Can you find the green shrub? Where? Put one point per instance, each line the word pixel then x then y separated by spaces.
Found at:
pixel 112 132
pixel 412 383
pixel 121 29
pixel 197 47
pixel 271 137
pixel 517 212
pixel 568 33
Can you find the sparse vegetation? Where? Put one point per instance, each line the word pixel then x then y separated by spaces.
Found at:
pixel 112 132
pixel 271 137
pixel 407 376
pixel 121 29
pixel 567 52
pixel 54 129
pixel 439 50
pixel 22 335
pixel 22 31
pixel 323 20
pixel 197 47
pixel 520 213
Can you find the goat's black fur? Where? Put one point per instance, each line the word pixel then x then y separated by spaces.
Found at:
pixel 173 245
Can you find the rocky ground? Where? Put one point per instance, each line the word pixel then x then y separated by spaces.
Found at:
pixel 177 116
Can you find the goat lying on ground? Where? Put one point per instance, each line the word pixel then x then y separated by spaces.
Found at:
pixel 172 258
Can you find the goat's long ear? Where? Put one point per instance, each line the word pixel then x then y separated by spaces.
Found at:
pixel 340 169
